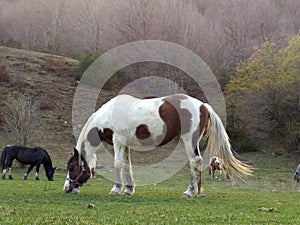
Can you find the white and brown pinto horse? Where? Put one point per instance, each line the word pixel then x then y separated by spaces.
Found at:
pixel 214 164
pixel 128 122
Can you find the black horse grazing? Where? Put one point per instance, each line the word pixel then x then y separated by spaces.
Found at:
pixel 28 156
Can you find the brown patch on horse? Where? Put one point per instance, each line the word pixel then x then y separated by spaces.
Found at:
pixel 144 135
pixel 142 132
pixel 177 120
pixel 82 150
pixel 106 135
pixel 204 118
pixel 93 137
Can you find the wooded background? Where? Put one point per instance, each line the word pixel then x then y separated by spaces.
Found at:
pixel 252 46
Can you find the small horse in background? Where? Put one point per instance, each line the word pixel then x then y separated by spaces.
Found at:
pixel 214 164
pixel 297 175
pixel 128 123
pixel 27 156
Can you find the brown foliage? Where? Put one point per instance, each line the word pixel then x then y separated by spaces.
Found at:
pixel 4 75
pixel 55 64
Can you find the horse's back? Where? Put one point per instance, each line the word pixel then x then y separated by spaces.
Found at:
pixel 27 155
pixel 143 122
pixel 12 149
pixel 154 121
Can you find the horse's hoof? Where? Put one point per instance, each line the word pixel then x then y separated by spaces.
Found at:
pixel 37 178
pixel 127 193
pixel 114 193
pixel 10 177
pixel 201 196
pixel 3 177
pixel 25 178
pixel 186 195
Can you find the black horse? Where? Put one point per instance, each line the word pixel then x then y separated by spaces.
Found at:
pixel 28 156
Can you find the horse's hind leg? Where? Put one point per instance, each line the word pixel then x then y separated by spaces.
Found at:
pixel 194 187
pixel 129 186
pixel 7 165
pixel 3 174
pixel 195 160
pixel 28 171
pixel 9 174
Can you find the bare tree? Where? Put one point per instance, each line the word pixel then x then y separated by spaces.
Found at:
pixel 222 32
pixel 21 120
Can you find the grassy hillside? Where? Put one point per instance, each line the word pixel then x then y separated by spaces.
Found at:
pixel 49 77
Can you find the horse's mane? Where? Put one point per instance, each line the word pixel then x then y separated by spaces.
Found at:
pixel 46 153
pixel 49 161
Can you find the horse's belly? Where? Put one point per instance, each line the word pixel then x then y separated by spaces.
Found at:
pixel 24 161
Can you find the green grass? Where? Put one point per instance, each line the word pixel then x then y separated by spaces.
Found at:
pixel 43 202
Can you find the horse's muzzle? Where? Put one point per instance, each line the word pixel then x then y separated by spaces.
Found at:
pixel 69 188
pixel 72 191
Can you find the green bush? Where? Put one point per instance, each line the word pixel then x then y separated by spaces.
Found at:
pixel 11 43
pixel 84 62
pixel 263 95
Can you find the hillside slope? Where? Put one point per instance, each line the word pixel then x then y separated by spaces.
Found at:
pixel 49 77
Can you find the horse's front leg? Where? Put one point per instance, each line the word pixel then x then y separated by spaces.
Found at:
pixel 37 172
pixel 129 186
pixel 28 171
pixel 119 151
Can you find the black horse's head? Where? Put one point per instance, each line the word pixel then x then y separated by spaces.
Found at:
pixel 50 173
pixel 78 173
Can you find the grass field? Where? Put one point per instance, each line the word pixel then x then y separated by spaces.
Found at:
pixel 268 197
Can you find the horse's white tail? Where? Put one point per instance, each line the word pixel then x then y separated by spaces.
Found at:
pixel 219 145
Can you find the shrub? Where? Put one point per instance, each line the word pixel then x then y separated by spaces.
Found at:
pixel 86 60
pixel 55 64
pixel 264 93
pixel 21 120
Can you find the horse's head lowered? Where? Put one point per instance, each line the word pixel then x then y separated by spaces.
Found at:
pixel 78 173
pixel 50 173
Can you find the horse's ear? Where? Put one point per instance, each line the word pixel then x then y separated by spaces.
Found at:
pixel 76 154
